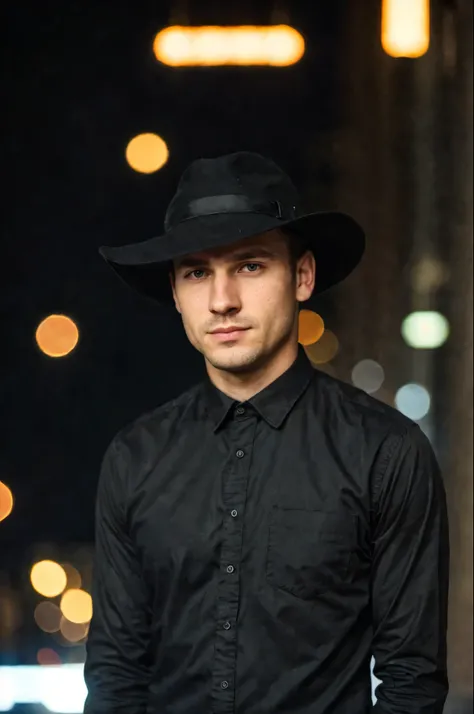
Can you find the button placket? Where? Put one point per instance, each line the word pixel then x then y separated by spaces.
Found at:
pixel 234 492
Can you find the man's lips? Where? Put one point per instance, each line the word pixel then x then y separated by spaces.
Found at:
pixel 228 334
pixel 228 329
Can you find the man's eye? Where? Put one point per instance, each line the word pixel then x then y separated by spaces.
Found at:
pixel 255 264
pixel 199 270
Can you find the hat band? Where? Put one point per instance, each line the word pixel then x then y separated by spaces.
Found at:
pixel 229 203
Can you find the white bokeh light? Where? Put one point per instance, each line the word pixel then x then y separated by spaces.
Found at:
pixel 368 375
pixel 425 329
pixel 413 400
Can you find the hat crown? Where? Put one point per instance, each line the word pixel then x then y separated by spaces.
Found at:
pixel 242 174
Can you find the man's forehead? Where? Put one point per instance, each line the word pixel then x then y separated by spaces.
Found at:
pixel 264 244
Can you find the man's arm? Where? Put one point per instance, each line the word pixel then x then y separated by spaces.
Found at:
pixel 410 578
pixel 117 668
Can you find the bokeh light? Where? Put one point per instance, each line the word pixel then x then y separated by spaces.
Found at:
pixel 6 501
pixel 48 578
pixel 278 45
pixel 428 274
pixel 73 631
pixel 425 329
pixel 57 335
pixel 47 656
pixel 11 616
pixel 76 606
pixel 310 327
pixel 368 375
pixel 47 616
pixel 146 153
pixel 7 694
pixel 324 350
pixel 406 27
pixel 74 579
pixel 413 400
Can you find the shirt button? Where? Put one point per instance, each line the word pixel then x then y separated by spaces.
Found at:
pixel 230 568
pixel 240 410
pixel 239 453
pixel 224 684
pixel 233 513
pixel 227 625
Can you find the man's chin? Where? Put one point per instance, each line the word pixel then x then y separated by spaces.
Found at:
pixel 231 358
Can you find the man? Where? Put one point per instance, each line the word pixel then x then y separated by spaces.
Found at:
pixel 263 535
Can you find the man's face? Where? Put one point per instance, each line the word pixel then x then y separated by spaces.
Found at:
pixel 249 284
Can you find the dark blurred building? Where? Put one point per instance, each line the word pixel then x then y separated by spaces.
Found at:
pixel 405 159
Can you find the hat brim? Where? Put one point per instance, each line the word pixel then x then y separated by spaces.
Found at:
pixel 336 239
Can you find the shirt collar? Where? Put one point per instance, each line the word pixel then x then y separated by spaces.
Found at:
pixel 273 403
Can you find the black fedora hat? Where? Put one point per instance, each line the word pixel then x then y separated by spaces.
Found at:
pixel 222 200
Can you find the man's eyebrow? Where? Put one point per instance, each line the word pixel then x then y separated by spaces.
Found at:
pixel 244 254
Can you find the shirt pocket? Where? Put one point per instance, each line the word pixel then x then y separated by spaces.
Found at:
pixel 309 552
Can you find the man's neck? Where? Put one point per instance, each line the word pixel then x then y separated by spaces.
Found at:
pixel 241 386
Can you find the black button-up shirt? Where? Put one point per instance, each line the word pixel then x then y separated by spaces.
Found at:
pixel 252 557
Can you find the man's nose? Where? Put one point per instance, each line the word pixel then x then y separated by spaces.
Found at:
pixel 224 295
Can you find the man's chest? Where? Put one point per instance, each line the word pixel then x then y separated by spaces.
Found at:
pixel 286 513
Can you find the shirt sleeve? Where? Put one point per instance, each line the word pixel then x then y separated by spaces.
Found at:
pixel 117 668
pixel 410 575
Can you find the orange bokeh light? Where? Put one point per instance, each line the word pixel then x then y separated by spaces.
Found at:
pixel 57 335
pixel 310 327
pixel 6 501
pixel 213 45
pixel 324 349
pixel 48 578
pixel 76 606
pixel 146 153
pixel 406 27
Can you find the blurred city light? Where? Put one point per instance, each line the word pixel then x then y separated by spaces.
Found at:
pixel 73 631
pixel 61 688
pixel 57 335
pixel 324 350
pixel 47 656
pixel 74 579
pixel 425 329
pixel 58 688
pixel 405 27
pixel 146 153
pixel 310 327
pixel 48 578
pixel 428 274
pixel 47 616
pixel 7 693
pixel 278 45
pixel 76 606
pixel 368 375
pixel 11 614
pixel 413 400
pixel 6 501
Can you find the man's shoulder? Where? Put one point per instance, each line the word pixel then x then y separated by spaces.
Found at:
pixel 360 408
pixel 159 420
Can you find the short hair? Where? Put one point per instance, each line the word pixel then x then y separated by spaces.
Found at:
pixel 297 246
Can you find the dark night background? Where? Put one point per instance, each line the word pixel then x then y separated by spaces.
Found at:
pixel 79 80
